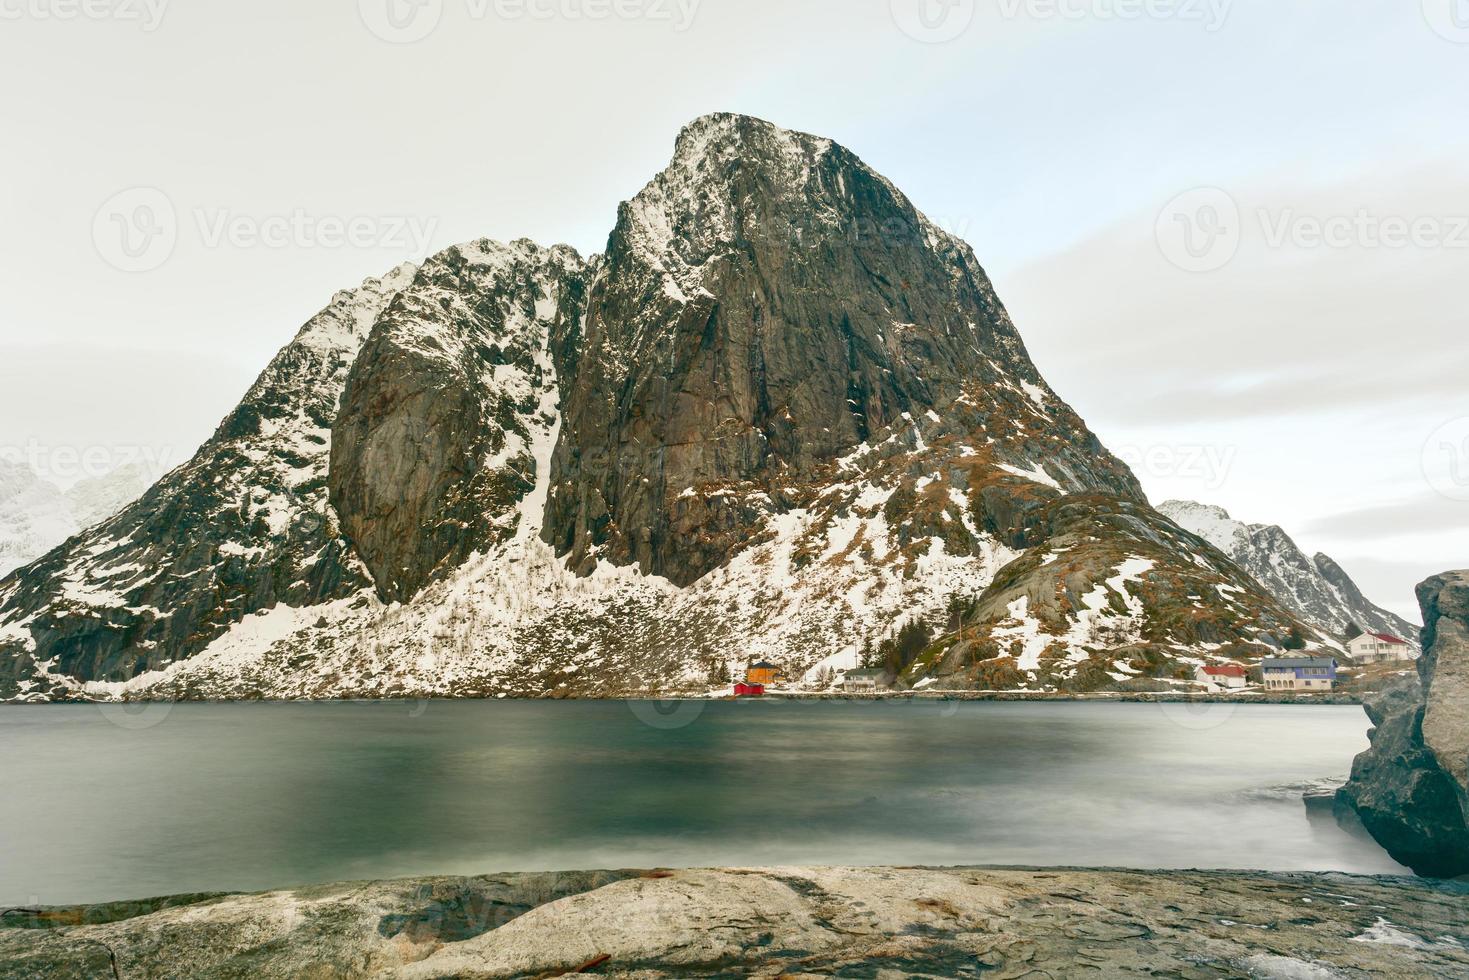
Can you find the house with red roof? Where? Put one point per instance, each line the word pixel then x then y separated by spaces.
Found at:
pixel 1376 648
pixel 1223 677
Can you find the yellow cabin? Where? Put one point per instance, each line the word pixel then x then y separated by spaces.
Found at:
pixel 762 673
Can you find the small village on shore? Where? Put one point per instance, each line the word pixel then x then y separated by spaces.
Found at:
pixel 1371 661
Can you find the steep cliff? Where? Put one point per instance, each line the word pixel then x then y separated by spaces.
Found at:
pixel 1411 788
pixel 446 406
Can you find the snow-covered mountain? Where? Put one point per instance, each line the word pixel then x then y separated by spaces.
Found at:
pixel 1316 588
pixel 782 415
pixel 36 516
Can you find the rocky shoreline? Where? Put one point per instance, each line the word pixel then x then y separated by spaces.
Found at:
pixel 1411 789
pixel 771 922
pixel 1132 697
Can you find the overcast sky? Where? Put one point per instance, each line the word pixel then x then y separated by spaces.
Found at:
pixel 1233 233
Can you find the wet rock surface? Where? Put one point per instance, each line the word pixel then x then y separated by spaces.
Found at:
pixel 787 922
pixel 1411 788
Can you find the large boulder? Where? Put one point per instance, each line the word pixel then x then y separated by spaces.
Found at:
pixel 1411 788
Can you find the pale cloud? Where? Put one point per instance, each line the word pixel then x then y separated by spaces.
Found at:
pixel 1320 371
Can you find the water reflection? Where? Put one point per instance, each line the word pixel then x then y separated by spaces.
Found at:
pixel 252 796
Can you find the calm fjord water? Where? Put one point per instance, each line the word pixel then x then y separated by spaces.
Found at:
pixel 104 803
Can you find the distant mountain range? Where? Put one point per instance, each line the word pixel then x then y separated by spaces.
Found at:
pixel 36 515
pixel 783 416
pixel 1316 588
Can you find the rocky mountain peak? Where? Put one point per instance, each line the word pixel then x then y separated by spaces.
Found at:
pixel 768 304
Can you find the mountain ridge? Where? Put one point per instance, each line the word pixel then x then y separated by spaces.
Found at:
pixel 781 416
pixel 1316 588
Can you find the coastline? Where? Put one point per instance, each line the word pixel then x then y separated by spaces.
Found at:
pixel 1121 697
pixel 768 922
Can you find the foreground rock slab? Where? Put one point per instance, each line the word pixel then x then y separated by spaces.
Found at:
pixel 774 922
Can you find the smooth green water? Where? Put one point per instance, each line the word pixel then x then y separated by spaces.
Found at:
pixel 109 802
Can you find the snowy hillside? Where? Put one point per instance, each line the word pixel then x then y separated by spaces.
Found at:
pixel 36 516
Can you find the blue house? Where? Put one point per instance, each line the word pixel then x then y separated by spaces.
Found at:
pixel 1299 673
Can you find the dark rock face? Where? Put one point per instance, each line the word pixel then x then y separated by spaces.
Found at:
pixel 240 528
pixel 1411 788
pixel 435 443
pixel 768 303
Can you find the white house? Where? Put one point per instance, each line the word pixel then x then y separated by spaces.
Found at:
pixel 1376 648
pixel 1226 677
pixel 863 681
pixel 1299 673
